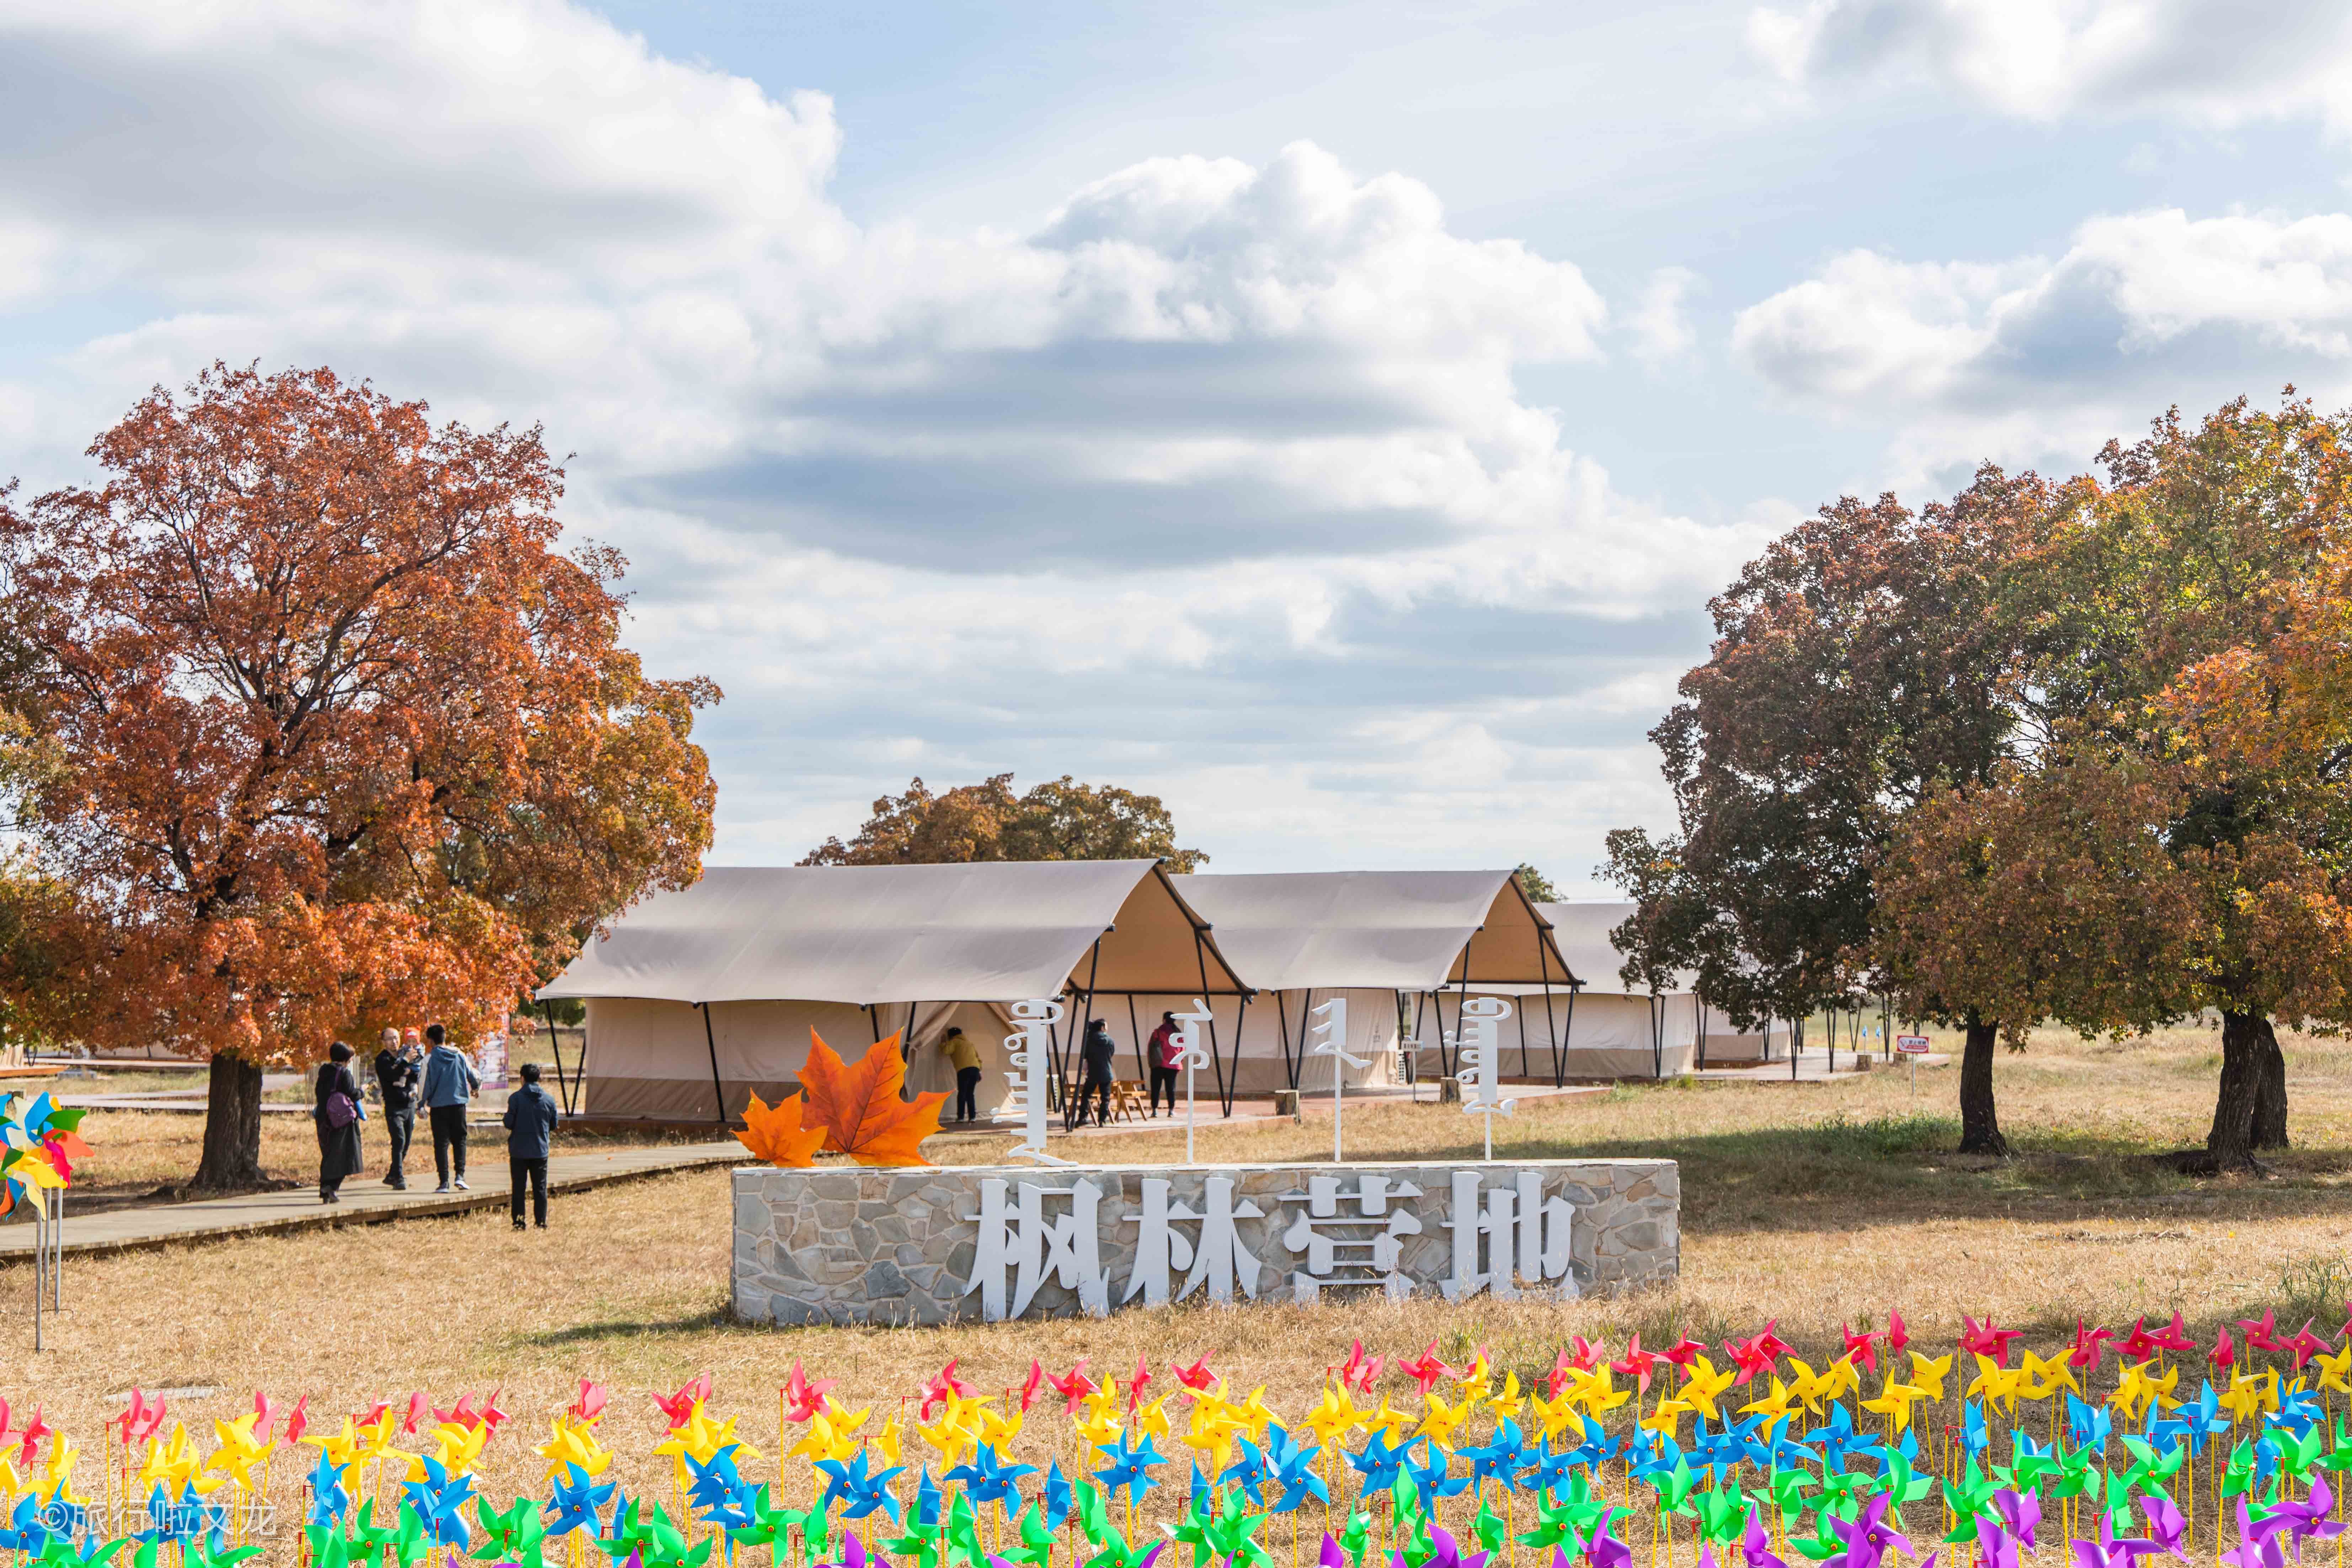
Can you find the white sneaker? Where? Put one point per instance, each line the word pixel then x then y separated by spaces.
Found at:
pixel 462 1186
pixel 442 1188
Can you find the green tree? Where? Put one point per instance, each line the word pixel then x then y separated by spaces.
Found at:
pixel 1536 885
pixel 1060 820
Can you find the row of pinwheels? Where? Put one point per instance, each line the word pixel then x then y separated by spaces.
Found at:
pixel 39 1142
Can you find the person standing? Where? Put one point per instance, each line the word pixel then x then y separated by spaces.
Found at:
pixel 1097 1052
pixel 1166 1055
pixel 530 1120
pixel 448 1089
pixel 959 1048
pixel 395 1079
pixel 338 1112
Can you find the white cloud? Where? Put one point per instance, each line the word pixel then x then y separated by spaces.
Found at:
pixel 1659 321
pixel 2215 61
pixel 1206 419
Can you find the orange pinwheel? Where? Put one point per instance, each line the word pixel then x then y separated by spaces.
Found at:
pixel 774 1132
pixel 860 1108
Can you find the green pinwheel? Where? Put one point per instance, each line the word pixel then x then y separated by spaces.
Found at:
pixel 1233 1539
pixel 1790 1494
pixel 328 1547
pixel 1491 1529
pixel 963 1532
pixel 1354 1536
pixel 1571 1517
pixel 1035 1542
pixel 1969 1499
pixel 1723 1513
pixel 1675 1489
pixel 513 1535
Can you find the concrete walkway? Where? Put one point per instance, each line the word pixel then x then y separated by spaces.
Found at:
pixel 366 1200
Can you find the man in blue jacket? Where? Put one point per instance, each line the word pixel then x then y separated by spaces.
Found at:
pixel 450 1081
pixel 530 1120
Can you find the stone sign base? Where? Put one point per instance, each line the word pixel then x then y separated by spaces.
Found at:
pixel 940 1244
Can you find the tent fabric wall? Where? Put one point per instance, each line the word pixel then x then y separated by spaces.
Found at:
pixel 1608 1037
pixel 1371 1035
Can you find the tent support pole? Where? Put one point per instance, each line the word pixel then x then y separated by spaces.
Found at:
pixel 717 1094
pixel 1698 1004
pixel 555 1044
pixel 1217 1058
pixel 1241 1026
pixel 1657 1038
pixel 1522 1010
pixel 1135 1038
pixel 1568 1028
pixel 873 1022
pixel 1283 1018
pixel 1295 1067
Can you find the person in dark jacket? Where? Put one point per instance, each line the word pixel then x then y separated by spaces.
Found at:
pixel 960 1049
pixel 1165 1056
pixel 1097 1052
pixel 530 1122
pixel 338 1112
pixel 395 1079
pixel 450 1082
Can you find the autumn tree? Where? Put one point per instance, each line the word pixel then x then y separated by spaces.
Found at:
pixel 1858 664
pixel 2188 617
pixel 341 740
pixel 1060 820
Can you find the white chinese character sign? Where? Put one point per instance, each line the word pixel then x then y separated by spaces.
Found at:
pixel 1030 1049
pixel 1333 1043
pixel 1195 1055
pixel 1477 1064
pixel 948 1243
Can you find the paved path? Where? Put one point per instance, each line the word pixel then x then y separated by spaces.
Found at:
pixel 366 1201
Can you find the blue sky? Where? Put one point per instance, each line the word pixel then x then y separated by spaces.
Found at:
pixel 1333 418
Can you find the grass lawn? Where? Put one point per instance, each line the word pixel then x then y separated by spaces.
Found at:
pixel 1816 1204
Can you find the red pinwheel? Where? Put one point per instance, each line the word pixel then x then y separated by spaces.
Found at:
pixel 678 1409
pixel 2304 1344
pixel 2090 1346
pixel 2175 1339
pixel 265 1416
pixel 591 1401
pixel 1897 1336
pixel 1359 1372
pixel 417 1406
pixel 495 1415
pixel 1581 1354
pixel 138 1423
pixel 1142 1381
pixel 1863 1346
pixel 803 1400
pixel 2262 1334
pixel 1984 1339
pixel 940 1389
pixel 1073 1388
pixel 1683 1353
pixel 2138 1344
pixel 1195 1377
pixel 1035 1380
pixel 1636 1364
pixel 2223 1355
pixel 30 1437
pixel 458 1414
pixel 298 1420
pixel 1427 1370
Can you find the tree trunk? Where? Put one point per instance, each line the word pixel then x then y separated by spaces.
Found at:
pixel 2270 1090
pixel 232 1153
pixel 2248 1047
pixel 1979 1116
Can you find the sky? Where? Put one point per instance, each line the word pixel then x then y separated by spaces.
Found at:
pixel 1332 418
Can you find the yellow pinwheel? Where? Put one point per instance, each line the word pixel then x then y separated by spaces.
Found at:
pixel 1438 1423
pixel 1554 1412
pixel 1995 1383
pixel 574 1443
pixel 1507 1405
pixel 2243 1397
pixel 1667 1416
pixel 1474 1381
pixel 887 1441
pixel 1894 1402
pixel 1388 1421
pixel 2337 1370
pixel 1928 1372
pixel 237 1452
pixel 1773 1406
pixel 457 1444
pixel 1704 1385
pixel 1102 1403
pixel 1333 1417
pixel 171 1462
pixel 57 1475
pixel 1840 1378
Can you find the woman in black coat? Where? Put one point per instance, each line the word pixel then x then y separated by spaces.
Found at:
pixel 338 1146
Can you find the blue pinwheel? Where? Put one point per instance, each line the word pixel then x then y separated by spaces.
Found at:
pixel 2298 1412
pixel 575 1501
pixel 1059 1500
pixel 927 1499
pixel 868 1494
pixel 711 1482
pixel 328 1502
pixel 1651 1454
pixel 1249 1473
pixel 1129 1468
pixel 1548 1471
pixel 1500 1458
pixel 1837 1441
pixel 2089 1426
pixel 2205 1418
pixel 1293 1472
pixel 1433 1475
pixel 1975 1436
pixel 1378 1462
pixel 436 1500
pixel 988 1479
pixel 1597 1448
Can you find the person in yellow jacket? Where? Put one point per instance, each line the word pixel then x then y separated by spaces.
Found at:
pixel 958 1048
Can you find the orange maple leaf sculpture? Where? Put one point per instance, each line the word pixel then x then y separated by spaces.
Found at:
pixel 774 1132
pixel 860 1108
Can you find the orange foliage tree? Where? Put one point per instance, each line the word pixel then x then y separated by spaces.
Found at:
pixel 340 739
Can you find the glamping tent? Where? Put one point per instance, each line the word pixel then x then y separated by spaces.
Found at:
pixel 1618 1030
pixel 1300 939
pixel 696 997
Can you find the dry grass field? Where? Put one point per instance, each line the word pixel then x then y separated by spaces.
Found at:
pixel 1814 1203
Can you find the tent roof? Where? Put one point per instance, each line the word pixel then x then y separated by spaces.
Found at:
pixel 1583 931
pixel 1406 930
pixel 991 931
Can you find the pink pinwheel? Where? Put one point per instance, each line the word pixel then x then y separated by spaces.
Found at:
pixel 2090 1345
pixel 944 1386
pixel 1359 1371
pixel 1427 1370
pixel 1683 1353
pixel 2165 1525
pixel 1755 1356
pixel 1195 1377
pixel 1984 1339
pixel 1637 1365
pixel 2223 1355
pixel 1030 1386
pixel 2304 1344
pixel 1581 1353
pixel 459 1415
pixel 589 1404
pixel 803 1400
pixel 297 1421
pixel 495 1415
pixel 2261 1334
pixel 2138 1344
pixel 417 1406
pixel 2175 1339
pixel 1897 1337
pixel 1863 1346
pixel 1073 1388
pixel 30 1437
pixel 265 1416
pixel 1135 1389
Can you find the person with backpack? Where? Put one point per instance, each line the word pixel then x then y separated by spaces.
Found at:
pixel 530 1122
pixel 338 1112
pixel 450 1082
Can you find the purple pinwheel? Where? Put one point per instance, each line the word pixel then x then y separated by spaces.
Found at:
pixel 1756 1546
pixel 1445 1552
pixel 1867 1538
pixel 1601 1550
pixel 1995 1547
pixel 2307 1519
pixel 2106 1551
pixel 2165 1525
pixel 2258 1542
pixel 2021 1513
pixel 1333 1554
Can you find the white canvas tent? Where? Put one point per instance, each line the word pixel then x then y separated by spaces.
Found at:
pixel 1619 1030
pixel 1300 939
pixel 695 998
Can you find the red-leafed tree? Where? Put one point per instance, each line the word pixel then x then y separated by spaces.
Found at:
pixel 335 738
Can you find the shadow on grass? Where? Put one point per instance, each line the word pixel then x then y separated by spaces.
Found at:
pixel 714 1318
